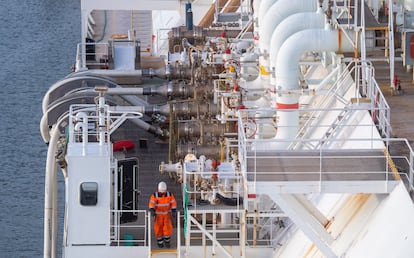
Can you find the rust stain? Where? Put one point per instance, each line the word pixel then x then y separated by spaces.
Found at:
pixel 356 54
pixel 348 212
pixel 328 224
pixel 310 250
pixel 339 41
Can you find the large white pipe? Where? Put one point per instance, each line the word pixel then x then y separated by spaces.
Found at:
pixel 287 73
pixel 273 17
pixel 50 209
pixel 292 24
pixel 276 14
pixel 263 8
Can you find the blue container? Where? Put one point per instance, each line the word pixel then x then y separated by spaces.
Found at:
pixel 129 239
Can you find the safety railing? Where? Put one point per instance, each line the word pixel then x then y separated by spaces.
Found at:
pixel 86 126
pixel 359 120
pixel 207 187
pixel 367 94
pixel 264 226
pixel 134 233
pixel 92 55
pixel 162 48
pixel 213 204
pixel 377 160
pixel 90 123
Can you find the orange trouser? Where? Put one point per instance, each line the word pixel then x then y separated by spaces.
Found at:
pixel 163 225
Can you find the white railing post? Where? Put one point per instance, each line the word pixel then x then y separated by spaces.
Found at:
pixel 149 234
pixel 178 235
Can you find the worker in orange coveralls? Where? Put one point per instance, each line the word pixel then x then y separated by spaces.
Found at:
pixel 162 206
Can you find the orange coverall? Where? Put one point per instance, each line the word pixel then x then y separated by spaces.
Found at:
pixel 163 203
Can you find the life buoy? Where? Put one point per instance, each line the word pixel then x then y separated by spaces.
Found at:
pixel 123 145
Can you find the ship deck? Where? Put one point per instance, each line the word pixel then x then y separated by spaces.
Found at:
pixel 151 151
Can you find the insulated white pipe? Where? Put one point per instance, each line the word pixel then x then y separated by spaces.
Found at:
pixel 292 24
pixel 256 16
pixel 287 73
pixel 274 15
pixel 277 13
pixel 50 210
pixel 263 8
pixel 101 120
pixel 261 102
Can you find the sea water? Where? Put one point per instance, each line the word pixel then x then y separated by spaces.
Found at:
pixel 37 47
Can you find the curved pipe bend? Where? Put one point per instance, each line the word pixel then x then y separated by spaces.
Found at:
pixel 277 13
pixel 288 27
pixel 287 72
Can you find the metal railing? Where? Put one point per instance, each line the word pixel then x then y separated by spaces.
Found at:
pixel 132 233
pixel 84 124
pixel 89 123
pixel 91 54
pixel 390 163
pixel 95 55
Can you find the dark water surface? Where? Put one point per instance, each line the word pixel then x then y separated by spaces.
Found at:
pixel 37 47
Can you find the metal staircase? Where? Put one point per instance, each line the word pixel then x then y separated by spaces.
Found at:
pixel 378 36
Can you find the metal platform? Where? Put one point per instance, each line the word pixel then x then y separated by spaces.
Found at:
pixel 371 23
pixel 333 171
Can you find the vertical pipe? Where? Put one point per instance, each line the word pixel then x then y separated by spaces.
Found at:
pixel 102 125
pixel 50 210
pixel 287 73
pixel 84 29
pixel 188 16
pixel 84 134
pixel 243 233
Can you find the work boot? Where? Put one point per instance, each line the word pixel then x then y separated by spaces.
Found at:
pixel 167 241
pixel 160 242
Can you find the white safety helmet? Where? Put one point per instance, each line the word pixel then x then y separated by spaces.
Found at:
pixel 162 187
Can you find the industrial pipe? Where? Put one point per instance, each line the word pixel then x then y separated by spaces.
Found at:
pixel 277 13
pixel 288 73
pixel 289 26
pixel 273 17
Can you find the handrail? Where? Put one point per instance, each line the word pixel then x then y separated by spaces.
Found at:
pixel 367 88
pixel 84 122
pixel 386 164
pixel 137 230
pixel 97 56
